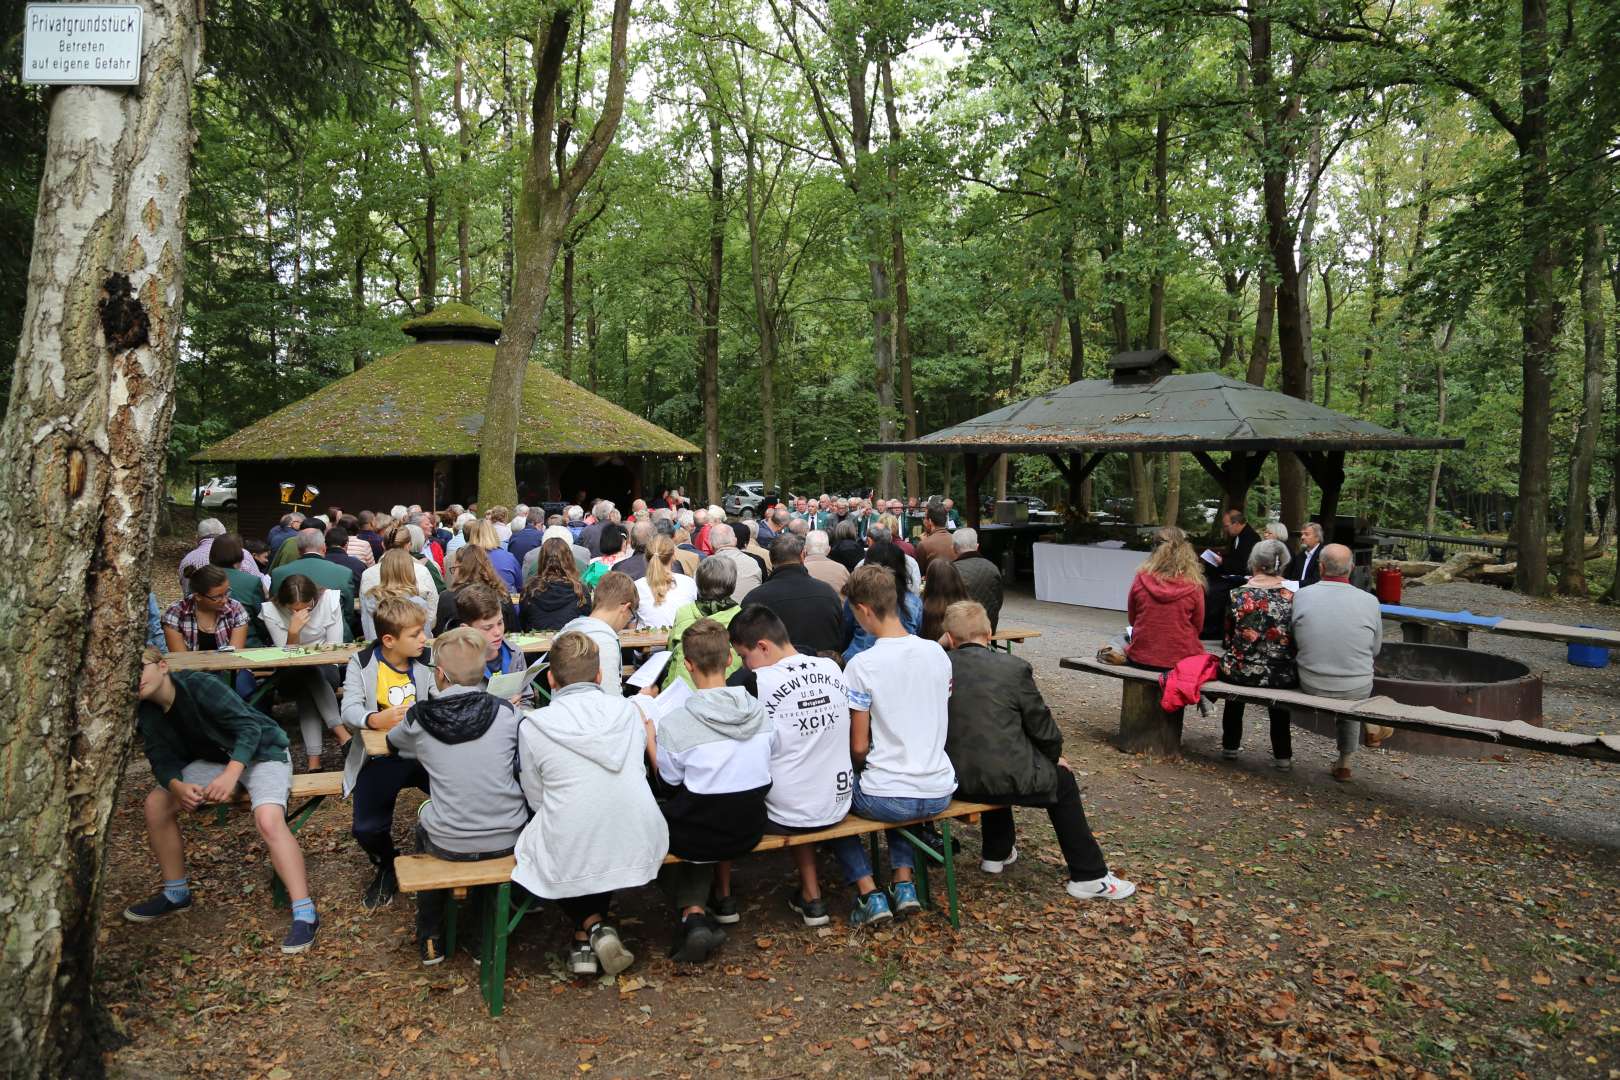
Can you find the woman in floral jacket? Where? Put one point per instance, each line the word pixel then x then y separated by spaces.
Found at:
pixel 1260 648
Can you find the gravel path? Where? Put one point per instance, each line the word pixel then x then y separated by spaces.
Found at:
pixel 1565 798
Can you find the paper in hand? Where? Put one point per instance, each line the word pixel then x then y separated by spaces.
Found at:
pixel 1211 556
pixel 510 684
pixel 651 671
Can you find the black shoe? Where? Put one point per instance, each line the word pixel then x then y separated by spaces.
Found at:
pixel 156 907
pixel 724 910
pixel 929 835
pixel 384 886
pixel 813 912
pixel 432 950
pixel 696 939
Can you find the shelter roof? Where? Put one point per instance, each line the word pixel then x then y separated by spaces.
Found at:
pixel 1202 411
pixel 427 401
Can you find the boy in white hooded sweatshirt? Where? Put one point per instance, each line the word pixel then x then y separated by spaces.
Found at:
pixel 596 827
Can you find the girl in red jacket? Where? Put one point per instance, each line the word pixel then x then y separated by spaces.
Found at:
pixel 1166 604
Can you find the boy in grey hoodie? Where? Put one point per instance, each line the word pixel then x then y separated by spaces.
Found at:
pixel 613 605
pixel 715 751
pixel 596 827
pixel 466 740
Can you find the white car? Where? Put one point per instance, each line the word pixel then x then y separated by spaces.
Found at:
pixel 220 493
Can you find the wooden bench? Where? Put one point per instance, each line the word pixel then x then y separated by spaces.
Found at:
pixel 1143 725
pixel 1448 628
pixel 1006 639
pixel 422 873
pixel 313 788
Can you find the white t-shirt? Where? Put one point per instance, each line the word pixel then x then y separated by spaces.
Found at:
pixel 811 774
pixel 905 683
pixel 653 616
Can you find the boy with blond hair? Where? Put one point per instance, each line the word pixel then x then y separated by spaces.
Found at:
pixel 380 685
pixel 466 740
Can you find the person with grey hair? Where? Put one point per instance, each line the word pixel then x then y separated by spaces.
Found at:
pixel 635 567
pixel 1276 530
pixel 590 538
pixel 980 576
pixel 1337 630
pixel 1260 648
pixel 1307 565
pixel 287 527
pixel 748 573
pixel 816 563
pixel 882 534
pixel 208 529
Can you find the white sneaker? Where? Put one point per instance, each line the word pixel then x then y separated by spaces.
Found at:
pixel 991 866
pixel 1229 755
pixel 1283 764
pixel 1107 887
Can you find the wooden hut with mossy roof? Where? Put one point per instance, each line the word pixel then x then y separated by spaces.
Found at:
pixel 405 429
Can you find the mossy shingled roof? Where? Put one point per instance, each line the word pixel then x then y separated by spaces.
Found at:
pixel 427 401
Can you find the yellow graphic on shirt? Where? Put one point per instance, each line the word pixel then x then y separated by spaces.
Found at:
pixel 394 688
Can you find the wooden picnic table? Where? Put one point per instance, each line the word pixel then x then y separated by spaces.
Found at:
pixel 1452 628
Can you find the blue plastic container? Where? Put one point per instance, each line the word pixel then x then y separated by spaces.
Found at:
pixel 1592 656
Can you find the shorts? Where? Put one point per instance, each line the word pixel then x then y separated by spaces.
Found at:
pixel 268 783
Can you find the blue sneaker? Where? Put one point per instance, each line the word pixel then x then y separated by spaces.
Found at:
pixel 869 909
pixel 301 936
pixel 154 908
pixel 905 898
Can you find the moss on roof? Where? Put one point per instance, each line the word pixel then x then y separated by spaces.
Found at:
pixel 427 401
pixel 447 316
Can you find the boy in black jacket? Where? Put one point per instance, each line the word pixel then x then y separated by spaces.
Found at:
pixel 204 742
pixel 1006 749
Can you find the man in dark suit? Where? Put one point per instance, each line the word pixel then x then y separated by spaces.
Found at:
pixel 1236 563
pixel 810 609
pixel 1306 568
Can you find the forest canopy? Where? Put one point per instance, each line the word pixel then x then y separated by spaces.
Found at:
pixel 857 221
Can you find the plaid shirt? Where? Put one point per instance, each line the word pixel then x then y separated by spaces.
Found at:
pixel 182 616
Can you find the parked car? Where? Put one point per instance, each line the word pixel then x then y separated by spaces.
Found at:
pixel 744 495
pixel 220 493
pixel 1036 506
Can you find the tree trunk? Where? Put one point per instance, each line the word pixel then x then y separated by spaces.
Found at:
pixel 711 303
pixel 1071 312
pixel 1594 259
pixel 570 316
pixel 1613 595
pixel 1543 307
pixel 1161 223
pixel 592 334
pixel 427 265
pixel 1172 488
pixel 546 205
pixel 463 199
pixel 507 114
pixel 1327 335
pixel 84 443
pixel 1375 280
pixel 1260 349
pixel 764 313
pixel 1439 427
pixel 902 294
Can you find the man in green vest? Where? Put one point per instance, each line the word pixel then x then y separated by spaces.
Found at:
pixel 311 562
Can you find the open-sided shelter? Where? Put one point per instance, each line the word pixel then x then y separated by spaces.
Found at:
pixel 405 429
pixel 1145 406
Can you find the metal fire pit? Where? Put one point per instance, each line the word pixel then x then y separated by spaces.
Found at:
pixel 1457 680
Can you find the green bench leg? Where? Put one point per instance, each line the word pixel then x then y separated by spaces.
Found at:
pixel 950 873
pixel 501 910
pixel 946 858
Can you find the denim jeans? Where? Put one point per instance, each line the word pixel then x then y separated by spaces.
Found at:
pixel 850 850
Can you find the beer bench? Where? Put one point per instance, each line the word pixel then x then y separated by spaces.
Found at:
pixel 493 877
pixel 1429 627
pixel 1143 725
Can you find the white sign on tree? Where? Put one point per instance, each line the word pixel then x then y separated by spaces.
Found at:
pixel 95 44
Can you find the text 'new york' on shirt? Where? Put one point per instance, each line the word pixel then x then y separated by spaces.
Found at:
pixel 905 683
pixel 811 775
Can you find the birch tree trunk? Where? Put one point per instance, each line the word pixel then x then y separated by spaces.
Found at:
pixel 80 490
pixel 711 304
pixel 546 204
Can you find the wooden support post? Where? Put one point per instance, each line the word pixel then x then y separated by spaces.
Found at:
pixel 1327 469
pixel 1143 725
pixel 976 469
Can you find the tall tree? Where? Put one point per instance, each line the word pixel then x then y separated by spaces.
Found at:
pixel 546 204
pixel 84 439
pixel 1594 264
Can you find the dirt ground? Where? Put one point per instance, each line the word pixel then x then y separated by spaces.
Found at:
pixel 1435 917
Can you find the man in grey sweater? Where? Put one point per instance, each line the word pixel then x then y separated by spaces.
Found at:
pixel 1337 631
